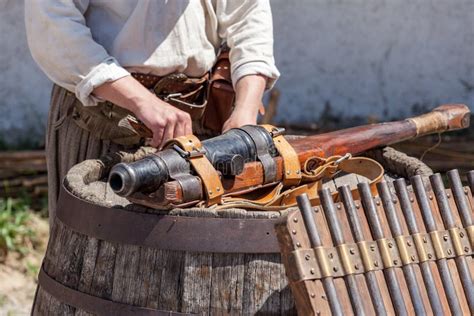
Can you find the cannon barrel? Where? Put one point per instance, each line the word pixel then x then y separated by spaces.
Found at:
pixel 228 153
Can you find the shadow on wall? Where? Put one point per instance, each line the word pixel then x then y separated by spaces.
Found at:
pixel 24 89
pixel 347 60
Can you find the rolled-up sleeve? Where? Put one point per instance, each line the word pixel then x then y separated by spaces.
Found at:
pixel 247 28
pixel 62 45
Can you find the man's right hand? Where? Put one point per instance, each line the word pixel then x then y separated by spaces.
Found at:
pixel 164 120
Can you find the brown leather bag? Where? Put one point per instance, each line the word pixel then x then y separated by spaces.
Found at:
pixel 220 102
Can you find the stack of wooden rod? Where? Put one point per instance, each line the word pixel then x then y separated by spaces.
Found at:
pixel 23 172
pixel 422 238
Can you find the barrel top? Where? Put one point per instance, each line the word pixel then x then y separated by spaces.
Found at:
pixel 88 181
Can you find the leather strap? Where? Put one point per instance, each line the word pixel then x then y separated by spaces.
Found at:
pixel 291 162
pixel 263 155
pixel 362 166
pixel 147 80
pixel 203 167
pixel 191 185
pixel 278 199
pixel 93 304
pixel 179 233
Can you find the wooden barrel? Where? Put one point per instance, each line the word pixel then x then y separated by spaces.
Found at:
pixel 107 256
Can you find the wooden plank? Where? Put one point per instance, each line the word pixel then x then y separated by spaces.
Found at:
pixel 264 279
pixel 261 284
pixel 227 283
pixel 287 302
pixel 309 295
pixel 41 303
pixel 23 155
pixel 227 279
pixel 23 166
pixel 196 277
pixel 88 266
pixel 171 264
pixel 50 259
pixel 146 277
pixel 87 273
pixel 66 265
pixel 125 274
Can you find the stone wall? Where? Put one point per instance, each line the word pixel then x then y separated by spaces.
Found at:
pixel 381 58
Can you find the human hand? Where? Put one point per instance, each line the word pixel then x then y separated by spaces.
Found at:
pixel 164 120
pixel 240 117
pixel 248 100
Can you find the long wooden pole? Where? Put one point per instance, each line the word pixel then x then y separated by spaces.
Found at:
pixel 353 140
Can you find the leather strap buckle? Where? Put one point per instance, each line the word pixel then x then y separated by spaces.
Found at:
pixel 277 131
pixel 172 96
pixel 345 157
pixel 189 154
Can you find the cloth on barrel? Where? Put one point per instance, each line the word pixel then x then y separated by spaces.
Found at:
pixel 67 144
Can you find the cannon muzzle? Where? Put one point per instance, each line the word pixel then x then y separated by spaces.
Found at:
pixel 144 175
pixel 228 153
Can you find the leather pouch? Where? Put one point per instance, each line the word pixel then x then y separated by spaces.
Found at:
pixel 187 94
pixel 221 95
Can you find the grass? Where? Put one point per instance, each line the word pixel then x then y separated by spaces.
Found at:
pixel 23 238
pixel 15 233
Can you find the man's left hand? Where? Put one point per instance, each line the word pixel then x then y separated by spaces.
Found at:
pixel 248 100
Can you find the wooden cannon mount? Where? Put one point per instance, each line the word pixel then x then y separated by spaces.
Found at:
pixel 352 140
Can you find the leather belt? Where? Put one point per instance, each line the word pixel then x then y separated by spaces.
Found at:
pixel 179 233
pixel 93 304
pixel 147 80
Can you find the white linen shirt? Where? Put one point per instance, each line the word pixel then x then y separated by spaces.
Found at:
pixel 81 44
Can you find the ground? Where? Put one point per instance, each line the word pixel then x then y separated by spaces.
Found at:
pixel 18 272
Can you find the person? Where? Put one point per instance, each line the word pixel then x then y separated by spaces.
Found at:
pixel 103 56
